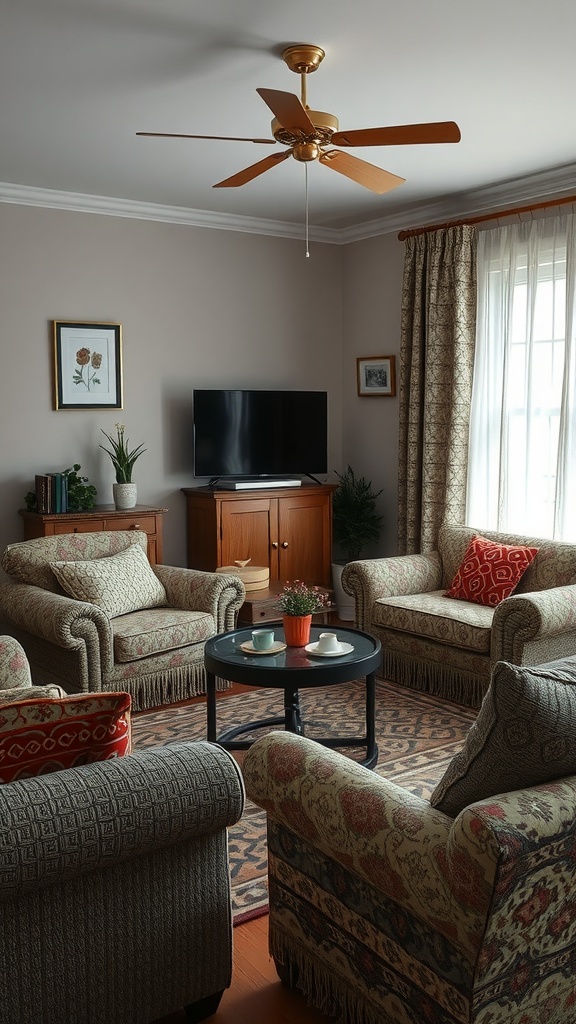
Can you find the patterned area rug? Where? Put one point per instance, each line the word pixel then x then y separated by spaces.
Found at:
pixel 417 737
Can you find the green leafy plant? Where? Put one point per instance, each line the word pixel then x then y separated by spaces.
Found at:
pixel 297 598
pixel 356 522
pixel 81 493
pixel 122 458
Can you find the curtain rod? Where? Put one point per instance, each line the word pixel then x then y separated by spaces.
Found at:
pixel 514 211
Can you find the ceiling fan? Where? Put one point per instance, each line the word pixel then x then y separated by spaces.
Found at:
pixel 308 133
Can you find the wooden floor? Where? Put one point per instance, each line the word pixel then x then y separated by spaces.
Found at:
pixel 256 996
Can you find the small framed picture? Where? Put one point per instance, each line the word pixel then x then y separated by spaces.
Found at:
pixel 377 376
pixel 87 365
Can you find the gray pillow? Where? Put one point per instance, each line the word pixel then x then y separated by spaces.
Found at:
pixel 525 734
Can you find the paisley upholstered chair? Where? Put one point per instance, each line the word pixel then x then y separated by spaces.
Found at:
pixel 15 678
pixel 390 905
pixel 92 614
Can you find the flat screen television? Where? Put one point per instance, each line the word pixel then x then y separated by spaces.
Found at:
pixel 254 434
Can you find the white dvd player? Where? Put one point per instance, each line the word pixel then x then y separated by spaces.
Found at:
pixel 252 483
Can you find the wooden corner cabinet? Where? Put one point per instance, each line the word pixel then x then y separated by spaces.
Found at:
pixel 101 517
pixel 288 529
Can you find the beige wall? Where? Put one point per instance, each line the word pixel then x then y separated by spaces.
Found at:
pixel 199 307
pixel 372 275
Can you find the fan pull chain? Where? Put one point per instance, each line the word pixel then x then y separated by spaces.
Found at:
pixel 306 189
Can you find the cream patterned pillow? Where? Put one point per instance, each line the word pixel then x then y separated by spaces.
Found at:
pixel 118 584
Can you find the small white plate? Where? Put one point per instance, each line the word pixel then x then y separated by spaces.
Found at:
pixel 277 646
pixel 344 649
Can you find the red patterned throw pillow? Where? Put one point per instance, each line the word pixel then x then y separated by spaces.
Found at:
pixel 489 571
pixel 48 734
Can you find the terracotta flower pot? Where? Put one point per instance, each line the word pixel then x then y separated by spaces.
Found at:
pixel 297 630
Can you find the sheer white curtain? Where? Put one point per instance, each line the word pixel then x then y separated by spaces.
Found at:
pixel 522 459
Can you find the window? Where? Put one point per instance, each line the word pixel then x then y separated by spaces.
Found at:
pixel 522 465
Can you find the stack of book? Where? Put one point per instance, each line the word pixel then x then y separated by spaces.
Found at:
pixel 51 492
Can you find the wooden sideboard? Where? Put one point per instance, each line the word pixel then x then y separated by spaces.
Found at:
pixel 101 517
pixel 288 529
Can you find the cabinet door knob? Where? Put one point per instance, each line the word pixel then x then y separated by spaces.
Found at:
pixel 274 544
pixel 284 543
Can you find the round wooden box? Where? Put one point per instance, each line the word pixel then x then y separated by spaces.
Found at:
pixel 254 577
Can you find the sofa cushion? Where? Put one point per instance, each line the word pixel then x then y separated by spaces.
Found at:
pixel 525 734
pixel 490 571
pixel 119 584
pixel 48 734
pixel 145 633
pixel 430 615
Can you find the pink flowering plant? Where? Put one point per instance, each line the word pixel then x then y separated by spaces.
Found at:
pixel 297 598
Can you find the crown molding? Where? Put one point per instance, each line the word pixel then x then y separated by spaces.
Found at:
pixel 531 188
pixel 491 199
pixel 76 202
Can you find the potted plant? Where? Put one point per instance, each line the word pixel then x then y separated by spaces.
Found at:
pixel 298 602
pixel 125 492
pixel 356 523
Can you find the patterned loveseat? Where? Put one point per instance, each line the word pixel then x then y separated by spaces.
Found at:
pixel 142 632
pixel 390 908
pixel 447 646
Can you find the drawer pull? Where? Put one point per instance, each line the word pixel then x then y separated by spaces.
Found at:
pixel 75 529
pixel 135 527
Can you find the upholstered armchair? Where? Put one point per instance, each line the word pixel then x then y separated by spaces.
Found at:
pixel 92 614
pixel 449 647
pixel 388 906
pixel 15 678
pixel 115 888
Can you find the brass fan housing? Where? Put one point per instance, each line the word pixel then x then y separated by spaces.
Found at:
pixel 325 125
pixel 304 58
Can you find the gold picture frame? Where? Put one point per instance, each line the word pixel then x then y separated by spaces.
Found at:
pixel 87 365
pixel 376 376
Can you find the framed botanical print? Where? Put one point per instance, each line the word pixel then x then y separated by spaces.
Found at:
pixel 87 365
pixel 376 376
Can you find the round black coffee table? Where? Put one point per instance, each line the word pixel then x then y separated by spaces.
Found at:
pixel 292 670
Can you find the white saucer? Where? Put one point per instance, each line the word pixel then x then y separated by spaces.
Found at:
pixel 277 646
pixel 344 649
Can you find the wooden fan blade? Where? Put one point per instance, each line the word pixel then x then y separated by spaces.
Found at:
pixel 374 178
pixel 225 138
pixel 400 135
pixel 252 172
pixel 287 109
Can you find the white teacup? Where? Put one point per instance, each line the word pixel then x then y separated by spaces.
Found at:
pixel 328 643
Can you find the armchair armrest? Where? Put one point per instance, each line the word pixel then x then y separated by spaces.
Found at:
pixel 406 850
pixel 372 578
pixel 14 667
pixel 101 814
pixel 535 628
pixel 213 592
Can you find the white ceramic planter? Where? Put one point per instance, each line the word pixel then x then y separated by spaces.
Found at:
pixel 125 495
pixel 345 604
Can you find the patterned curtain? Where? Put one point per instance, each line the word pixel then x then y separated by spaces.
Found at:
pixel 436 365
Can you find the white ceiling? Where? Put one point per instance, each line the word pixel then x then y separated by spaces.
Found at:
pixel 78 78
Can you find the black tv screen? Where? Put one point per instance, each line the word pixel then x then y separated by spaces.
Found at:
pixel 260 433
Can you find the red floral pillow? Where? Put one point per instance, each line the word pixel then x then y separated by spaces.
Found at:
pixel 48 734
pixel 489 571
